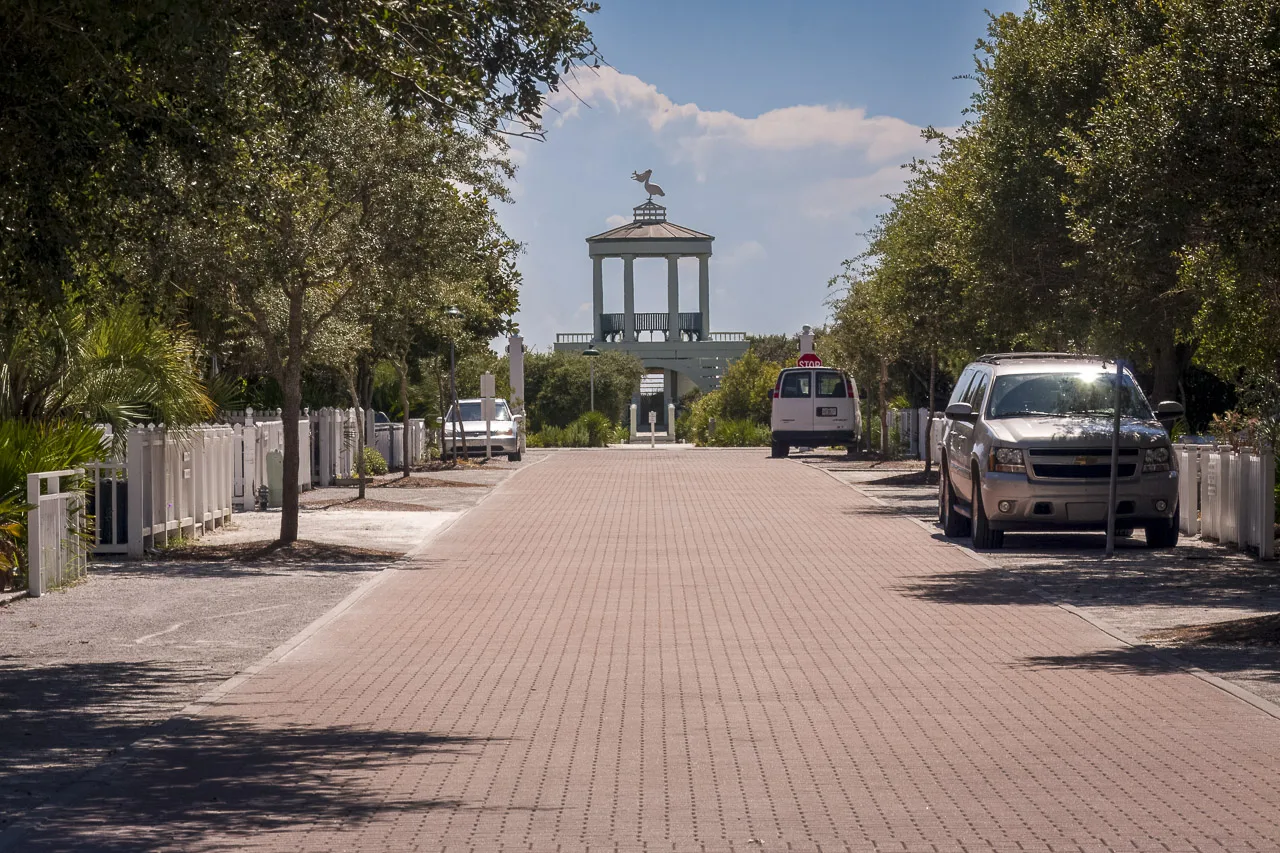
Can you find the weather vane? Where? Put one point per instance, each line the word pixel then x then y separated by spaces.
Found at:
pixel 651 189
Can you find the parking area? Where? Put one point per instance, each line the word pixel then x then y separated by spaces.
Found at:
pixel 1145 595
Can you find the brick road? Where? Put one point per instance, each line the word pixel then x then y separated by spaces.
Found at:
pixel 706 651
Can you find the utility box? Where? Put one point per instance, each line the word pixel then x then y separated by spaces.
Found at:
pixel 275 478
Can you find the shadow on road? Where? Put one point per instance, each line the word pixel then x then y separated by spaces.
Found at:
pixel 210 775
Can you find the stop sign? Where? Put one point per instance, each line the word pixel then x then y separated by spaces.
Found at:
pixel 809 360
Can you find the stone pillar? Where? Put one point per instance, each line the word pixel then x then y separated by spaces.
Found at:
pixel 673 298
pixel 669 392
pixel 704 294
pixel 597 298
pixel 628 298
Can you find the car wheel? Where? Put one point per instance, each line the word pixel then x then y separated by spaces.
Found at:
pixel 984 538
pixel 953 523
pixel 780 451
pixel 1163 534
pixel 513 457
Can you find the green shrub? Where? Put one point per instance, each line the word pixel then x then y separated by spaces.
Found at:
pixel 740 432
pixel 598 427
pixel 594 429
pixel 373 463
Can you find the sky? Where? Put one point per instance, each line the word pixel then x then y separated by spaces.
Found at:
pixel 777 127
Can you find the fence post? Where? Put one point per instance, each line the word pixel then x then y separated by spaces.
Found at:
pixel 1267 476
pixel 35 547
pixel 136 477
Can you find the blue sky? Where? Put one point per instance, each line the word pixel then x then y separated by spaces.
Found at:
pixel 777 127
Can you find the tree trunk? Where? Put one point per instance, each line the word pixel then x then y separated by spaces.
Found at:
pixel 355 403
pixel 289 414
pixel 928 431
pixel 402 373
pixel 1165 364
pixel 884 411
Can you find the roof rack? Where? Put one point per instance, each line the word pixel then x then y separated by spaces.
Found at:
pixel 996 358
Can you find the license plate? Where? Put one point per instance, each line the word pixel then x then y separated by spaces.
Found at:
pixel 826 411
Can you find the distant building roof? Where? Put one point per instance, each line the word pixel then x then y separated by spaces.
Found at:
pixel 650 223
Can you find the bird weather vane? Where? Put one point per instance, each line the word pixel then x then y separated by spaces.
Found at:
pixel 650 188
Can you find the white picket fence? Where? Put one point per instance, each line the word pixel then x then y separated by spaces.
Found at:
pixel 171 483
pixel 254 444
pixel 912 426
pixel 57 551
pixel 389 439
pixel 1228 496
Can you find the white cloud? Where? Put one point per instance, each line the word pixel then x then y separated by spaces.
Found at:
pixel 843 196
pixel 794 128
pixel 741 253
pixel 617 220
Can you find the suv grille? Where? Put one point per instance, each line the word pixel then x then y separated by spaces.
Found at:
pixel 1092 463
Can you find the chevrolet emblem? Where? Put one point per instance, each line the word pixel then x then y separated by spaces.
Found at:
pixel 1085 460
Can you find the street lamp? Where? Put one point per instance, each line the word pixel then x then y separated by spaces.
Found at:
pixel 453 314
pixel 591 354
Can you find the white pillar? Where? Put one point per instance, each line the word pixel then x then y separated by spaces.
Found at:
pixel 704 294
pixel 673 298
pixel 628 298
pixel 597 298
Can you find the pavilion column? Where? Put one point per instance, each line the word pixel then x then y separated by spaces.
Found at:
pixel 704 295
pixel 673 298
pixel 628 298
pixel 597 298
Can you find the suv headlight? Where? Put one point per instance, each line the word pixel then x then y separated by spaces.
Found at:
pixel 1008 460
pixel 1155 460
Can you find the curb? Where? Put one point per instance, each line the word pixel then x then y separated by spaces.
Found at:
pixel 98 776
pixel 1166 657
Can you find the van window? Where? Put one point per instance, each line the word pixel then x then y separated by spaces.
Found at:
pixel 978 390
pixel 797 384
pixel 830 384
pixel 962 386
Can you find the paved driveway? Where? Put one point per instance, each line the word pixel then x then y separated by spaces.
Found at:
pixel 704 651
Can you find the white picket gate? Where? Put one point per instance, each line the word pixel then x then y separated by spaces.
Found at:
pixel 253 442
pixel 1227 496
pixel 170 483
pixel 57 552
pixel 389 439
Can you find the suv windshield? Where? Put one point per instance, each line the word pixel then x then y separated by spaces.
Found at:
pixel 471 411
pixel 1084 394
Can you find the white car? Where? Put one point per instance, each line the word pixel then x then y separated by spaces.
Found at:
pixel 814 407
pixel 505 432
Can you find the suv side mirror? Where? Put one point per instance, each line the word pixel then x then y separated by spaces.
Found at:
pixel 1169 410
pixel 961 412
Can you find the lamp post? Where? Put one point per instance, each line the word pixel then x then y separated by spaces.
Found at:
pixel 453 314
pixel 591 354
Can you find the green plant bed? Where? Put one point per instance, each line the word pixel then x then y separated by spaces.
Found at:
pixel 739 433
pixel 593 429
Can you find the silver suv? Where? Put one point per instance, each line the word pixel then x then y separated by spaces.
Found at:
pixel 1026 445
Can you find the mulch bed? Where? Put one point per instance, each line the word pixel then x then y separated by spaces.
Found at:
pixel 1254 631
pixel 368 504
pixel 270 551
pixel 412 482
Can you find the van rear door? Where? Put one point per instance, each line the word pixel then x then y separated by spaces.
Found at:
pixel 833 404
pixel 793 407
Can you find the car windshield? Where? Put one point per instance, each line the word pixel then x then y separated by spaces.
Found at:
pixel 1085 394
pixel 471 411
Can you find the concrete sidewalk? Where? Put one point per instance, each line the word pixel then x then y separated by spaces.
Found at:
pixel 695 651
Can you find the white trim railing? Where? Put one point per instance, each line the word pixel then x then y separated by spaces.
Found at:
pixel 57 553
pixel 1228 495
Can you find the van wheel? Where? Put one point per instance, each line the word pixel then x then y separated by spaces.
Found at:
pixel 953 523
pixel 1163 534
pixel 984 538
pixel 780 451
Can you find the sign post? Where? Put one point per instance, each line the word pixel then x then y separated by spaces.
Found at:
pixel 1115 465
pixel 653 426
pixel 487 411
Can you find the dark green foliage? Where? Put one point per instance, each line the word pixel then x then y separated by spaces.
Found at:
pixel 558 386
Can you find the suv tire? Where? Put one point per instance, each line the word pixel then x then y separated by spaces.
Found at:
pixel 513 457
pixel 780 451
pixel 1163 534
pixel 953 523
pixel 984 538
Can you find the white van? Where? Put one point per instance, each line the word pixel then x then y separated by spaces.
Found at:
pixel 814 407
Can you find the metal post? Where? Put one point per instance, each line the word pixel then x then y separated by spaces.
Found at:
pixel 1115 466
pixel 35 548
pixel 593 384
pixel 453 394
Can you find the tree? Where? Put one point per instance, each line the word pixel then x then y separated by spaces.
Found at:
pixel 558 386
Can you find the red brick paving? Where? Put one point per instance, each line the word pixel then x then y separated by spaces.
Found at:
pixel 699 651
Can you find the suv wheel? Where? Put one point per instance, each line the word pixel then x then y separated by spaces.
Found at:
pixel 953 523
pixel 984 538
pixel 513 457
pixel 780 451
pixel 1163 534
